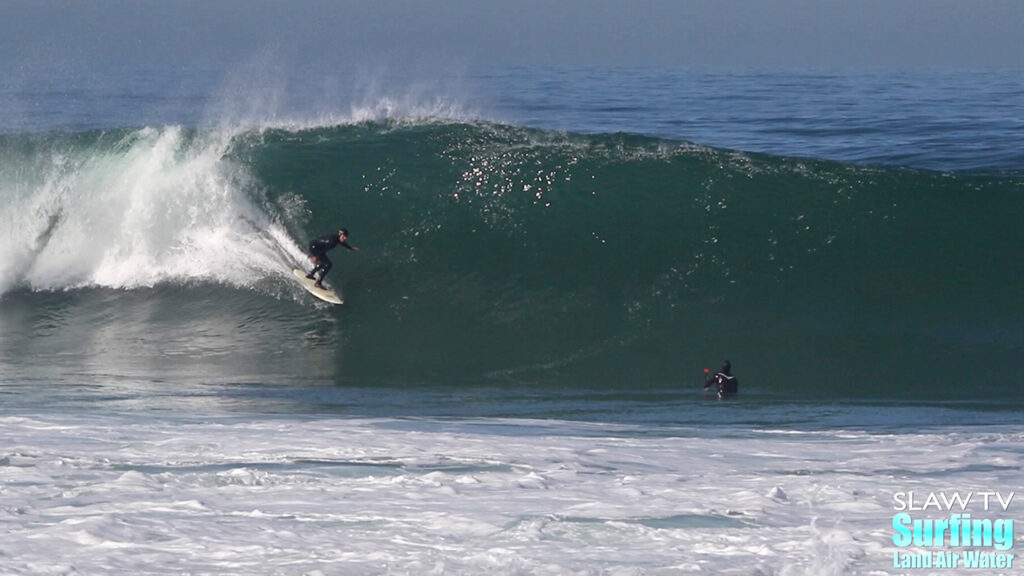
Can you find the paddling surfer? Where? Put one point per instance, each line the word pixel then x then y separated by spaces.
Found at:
pixel 727 384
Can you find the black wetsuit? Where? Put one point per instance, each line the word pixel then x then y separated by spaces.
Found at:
pixel 318 249
pixel 726 383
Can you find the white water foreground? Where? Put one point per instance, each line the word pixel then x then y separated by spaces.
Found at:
pixel 153 494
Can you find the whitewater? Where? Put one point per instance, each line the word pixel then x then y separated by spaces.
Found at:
pixel 271 495
pixel 514 385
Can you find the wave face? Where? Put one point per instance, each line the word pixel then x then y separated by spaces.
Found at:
pixel 494 253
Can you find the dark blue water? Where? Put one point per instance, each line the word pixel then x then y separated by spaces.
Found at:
pixel 934 119
pixel 938 120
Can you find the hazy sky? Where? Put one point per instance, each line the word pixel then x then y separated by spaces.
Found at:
pixel 438 33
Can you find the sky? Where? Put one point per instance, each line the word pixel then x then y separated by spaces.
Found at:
pixel 466 33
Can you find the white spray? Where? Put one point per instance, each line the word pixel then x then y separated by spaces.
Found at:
pixel 157 206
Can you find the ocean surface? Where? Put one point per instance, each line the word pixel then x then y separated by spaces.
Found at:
pixel 549 261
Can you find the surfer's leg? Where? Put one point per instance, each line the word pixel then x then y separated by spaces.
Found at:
pixel 324 265
pixel 317 258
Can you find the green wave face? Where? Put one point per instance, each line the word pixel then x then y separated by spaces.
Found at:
pixel 493 253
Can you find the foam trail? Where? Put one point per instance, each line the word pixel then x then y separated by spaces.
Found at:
pixel 157 205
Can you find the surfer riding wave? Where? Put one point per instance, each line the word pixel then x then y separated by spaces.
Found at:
pixel 318 254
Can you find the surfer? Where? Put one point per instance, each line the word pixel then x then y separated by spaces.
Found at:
pixel 318 254
pixel 727 384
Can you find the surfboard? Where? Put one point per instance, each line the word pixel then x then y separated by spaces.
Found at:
pixel 321 293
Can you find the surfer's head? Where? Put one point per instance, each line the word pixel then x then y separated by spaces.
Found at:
pixel 342 233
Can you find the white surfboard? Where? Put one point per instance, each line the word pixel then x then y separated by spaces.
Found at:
pixel 321 293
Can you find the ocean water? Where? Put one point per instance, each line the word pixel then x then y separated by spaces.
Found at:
pixel 549 259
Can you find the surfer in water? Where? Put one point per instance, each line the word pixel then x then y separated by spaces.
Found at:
pixel 727 384
pixel 318 254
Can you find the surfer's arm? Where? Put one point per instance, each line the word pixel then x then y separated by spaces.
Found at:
pixel 349 246
pixel 718 378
